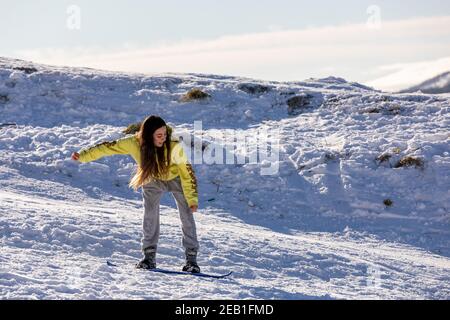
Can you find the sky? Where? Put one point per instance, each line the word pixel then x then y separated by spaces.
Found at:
pixel 390 45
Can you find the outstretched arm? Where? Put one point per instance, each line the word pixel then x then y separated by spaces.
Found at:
pixel 120 146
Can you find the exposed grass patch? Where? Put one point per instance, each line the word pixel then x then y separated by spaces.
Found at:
pixel 194 95
pixel 252 88
pixel 4 98
pixel 383 158
pixel 389 110
pixel 8 124
pixel 394 110
pixel 372 110
pixel 27 70
pixel 409 161
pixel 298 103
pixel 132 128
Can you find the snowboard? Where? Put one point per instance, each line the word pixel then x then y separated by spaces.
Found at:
pixel 173 272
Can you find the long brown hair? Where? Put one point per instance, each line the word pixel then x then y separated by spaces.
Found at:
pixel 153 164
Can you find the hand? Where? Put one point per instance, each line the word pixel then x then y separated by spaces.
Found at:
pixel 194 208
pixel 75 156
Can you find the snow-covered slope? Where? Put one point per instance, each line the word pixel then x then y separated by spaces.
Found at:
pixel 438 84
pixel 339 219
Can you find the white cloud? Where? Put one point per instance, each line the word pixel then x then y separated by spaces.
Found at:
pixel 352 51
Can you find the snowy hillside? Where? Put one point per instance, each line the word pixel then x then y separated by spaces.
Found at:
pixel 359 205
pixel 438 84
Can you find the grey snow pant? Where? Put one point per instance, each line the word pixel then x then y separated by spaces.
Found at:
pixel 152 193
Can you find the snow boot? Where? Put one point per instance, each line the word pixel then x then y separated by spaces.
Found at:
pixel 149 260
pixel 191 261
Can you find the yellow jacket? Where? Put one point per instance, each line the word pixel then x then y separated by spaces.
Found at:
pixel 179 165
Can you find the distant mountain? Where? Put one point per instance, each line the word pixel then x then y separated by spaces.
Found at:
pixel 438 84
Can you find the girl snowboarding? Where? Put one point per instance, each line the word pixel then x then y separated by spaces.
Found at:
pixel 162 167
